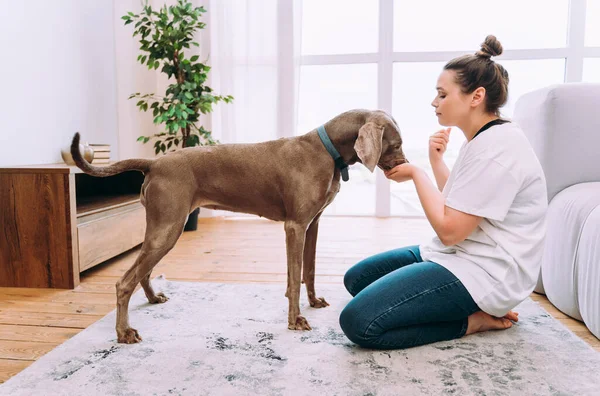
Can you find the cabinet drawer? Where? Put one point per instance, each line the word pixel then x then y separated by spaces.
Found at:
pixel 103 237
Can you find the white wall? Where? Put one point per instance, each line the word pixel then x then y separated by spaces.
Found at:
pixel 68 66
pixel 132 77
pixel 57 77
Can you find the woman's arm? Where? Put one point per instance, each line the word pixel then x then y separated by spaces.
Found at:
pixel 440 172
pixel 450 225
pixel 438 142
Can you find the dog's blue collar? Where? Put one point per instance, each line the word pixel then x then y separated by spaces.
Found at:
pixel 339 161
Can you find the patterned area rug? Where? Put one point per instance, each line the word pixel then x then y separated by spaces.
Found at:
pixel 232 339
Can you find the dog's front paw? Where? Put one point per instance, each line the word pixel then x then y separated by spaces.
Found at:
pixel 129 336
pixel 300 324
pixel 159 299
pixel 318 302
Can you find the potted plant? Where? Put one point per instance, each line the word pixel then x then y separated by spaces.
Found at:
pixel 165 36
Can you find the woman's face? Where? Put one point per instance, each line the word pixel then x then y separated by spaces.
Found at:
pixel 451 104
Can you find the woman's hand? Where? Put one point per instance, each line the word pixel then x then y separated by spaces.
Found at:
pixel 401 173
pixel 438 142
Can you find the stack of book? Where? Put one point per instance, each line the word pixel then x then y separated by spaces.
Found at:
pixel 101 153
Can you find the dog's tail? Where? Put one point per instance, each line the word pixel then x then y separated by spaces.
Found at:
pixel 139 164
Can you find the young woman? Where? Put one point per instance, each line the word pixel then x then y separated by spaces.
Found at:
pixel 488 215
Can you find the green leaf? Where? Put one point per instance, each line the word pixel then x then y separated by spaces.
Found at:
pixel 141 138
pixel 160 34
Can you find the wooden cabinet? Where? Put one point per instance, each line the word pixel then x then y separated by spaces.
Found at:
pixel 57 222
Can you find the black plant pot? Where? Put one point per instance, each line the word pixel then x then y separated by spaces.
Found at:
pixel 192 222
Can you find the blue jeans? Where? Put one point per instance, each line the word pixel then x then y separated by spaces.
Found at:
pixel 401 301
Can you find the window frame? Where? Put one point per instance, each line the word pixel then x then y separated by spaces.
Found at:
pixel 574 54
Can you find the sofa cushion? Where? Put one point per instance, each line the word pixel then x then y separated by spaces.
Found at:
pixel 588 272
pixel 562 122
pixel 572 230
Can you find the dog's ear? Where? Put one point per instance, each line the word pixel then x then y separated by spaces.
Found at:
pixel 368 145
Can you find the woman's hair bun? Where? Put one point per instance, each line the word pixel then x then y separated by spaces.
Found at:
pixel 490 47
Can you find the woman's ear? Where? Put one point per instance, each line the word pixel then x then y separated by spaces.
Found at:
pixel 478 97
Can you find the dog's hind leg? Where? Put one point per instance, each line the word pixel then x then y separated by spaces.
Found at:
pixel 153 298
pixel 295 235
pixel 308 266
pixel 165 218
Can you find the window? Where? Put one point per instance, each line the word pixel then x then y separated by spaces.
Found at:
pixel 592 24
pixel 343 67
pixel 446 26
pixel 413 91
pixel 326 91
pixel 339 26
pixel 529 75
pixel 591 70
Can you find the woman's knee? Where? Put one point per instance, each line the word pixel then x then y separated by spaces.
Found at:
pixel 361 274
pixel 371 268
pixel 351 277
pixel 357 325
pixel 349 323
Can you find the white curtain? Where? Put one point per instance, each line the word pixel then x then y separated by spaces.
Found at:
pixel 255 57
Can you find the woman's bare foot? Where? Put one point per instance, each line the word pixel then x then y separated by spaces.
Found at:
pixel 482 321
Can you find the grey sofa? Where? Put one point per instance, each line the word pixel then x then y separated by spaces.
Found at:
pixel 562 123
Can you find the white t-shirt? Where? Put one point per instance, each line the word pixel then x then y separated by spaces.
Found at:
pixel 496 176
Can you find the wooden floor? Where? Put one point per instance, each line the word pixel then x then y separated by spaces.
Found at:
pixel 34 321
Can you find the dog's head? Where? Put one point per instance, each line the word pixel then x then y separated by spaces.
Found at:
pixel 379 142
